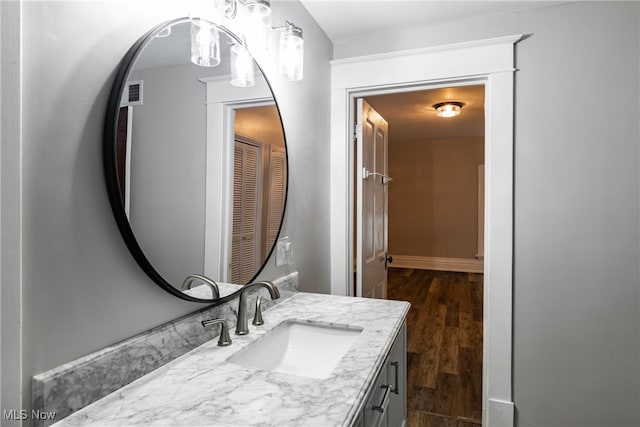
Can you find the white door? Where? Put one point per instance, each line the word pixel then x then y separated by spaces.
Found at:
pixel 371 203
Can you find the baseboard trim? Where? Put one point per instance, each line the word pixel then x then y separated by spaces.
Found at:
pixel 436 263
pixel 500 413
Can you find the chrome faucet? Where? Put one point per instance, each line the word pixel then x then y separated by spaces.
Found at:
pixel 192 278
pixel 242 327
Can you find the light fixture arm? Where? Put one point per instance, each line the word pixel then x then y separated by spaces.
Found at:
pixel 289 27
pixel 230 8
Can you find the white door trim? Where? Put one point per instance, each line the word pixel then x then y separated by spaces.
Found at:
pixel 489 62
pixel 222 99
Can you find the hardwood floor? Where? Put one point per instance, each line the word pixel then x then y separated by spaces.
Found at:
pixel 444 345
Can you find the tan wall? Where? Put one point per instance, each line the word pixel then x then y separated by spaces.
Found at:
pixel 433 200
pixel 260 124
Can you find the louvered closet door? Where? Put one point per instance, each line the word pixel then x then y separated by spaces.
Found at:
pixel 244 249
pixel 277 191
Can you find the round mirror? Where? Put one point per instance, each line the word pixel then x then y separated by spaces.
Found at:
pixel 195 160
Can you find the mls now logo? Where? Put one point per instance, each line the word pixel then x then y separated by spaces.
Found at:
pixel 23 414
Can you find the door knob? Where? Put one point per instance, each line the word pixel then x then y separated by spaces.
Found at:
pixel 388 260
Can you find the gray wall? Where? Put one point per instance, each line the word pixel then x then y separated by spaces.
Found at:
pixel 576 308
pixel 10 206
pixel 82 290
pixel 576 215
pixel 168 172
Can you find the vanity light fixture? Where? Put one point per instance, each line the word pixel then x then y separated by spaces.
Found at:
pixel 257 23
pixel 242 70
pixel 205 43
pixel 252 21
pixel 448 109
pixel 291 52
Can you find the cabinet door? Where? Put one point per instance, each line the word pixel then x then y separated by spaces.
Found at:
pixel 397 380
pixel 375 410
pixel 387 401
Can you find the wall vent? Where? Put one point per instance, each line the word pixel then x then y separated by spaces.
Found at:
pixel 132 93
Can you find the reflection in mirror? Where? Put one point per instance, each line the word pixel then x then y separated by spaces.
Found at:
pixel 259 189
pixel 201 168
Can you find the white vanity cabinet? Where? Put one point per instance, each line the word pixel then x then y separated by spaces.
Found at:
pixel 386 403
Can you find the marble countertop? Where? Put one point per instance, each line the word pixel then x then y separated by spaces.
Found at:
pixel 202 388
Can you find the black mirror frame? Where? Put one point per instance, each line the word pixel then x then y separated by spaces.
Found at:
pixel 111 174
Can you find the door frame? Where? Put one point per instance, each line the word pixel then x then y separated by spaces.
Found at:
pixel 489 62
pixel 222 99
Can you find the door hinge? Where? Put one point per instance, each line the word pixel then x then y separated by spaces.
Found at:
pixel 357 131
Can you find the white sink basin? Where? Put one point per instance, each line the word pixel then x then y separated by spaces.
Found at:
pixel 299 348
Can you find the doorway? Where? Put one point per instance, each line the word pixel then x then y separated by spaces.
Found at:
pixel 428 169
pixel 489 62
pixel 258 190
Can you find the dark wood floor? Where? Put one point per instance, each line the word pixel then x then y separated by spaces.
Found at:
pixel 444 345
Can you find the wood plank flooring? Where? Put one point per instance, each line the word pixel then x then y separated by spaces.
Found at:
pixel 444 345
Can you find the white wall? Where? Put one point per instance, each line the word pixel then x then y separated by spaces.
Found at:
pixel 81 288
pixel 576 278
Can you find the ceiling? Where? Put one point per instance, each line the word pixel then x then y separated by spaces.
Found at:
pixel 411 116
pixel 347 19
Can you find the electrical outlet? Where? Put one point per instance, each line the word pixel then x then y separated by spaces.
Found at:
pixel 284 251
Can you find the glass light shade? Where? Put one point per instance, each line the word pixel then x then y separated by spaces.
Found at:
pixel 257 24
pixel 242 70
pixel 291 53
pixel 259 8
pixel 205 43
pixel 448 109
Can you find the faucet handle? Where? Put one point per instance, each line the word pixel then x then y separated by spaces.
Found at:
pixel 257 317
pixel 224 339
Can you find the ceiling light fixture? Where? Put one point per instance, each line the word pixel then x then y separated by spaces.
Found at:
pixel 251 21
pixel 448 109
